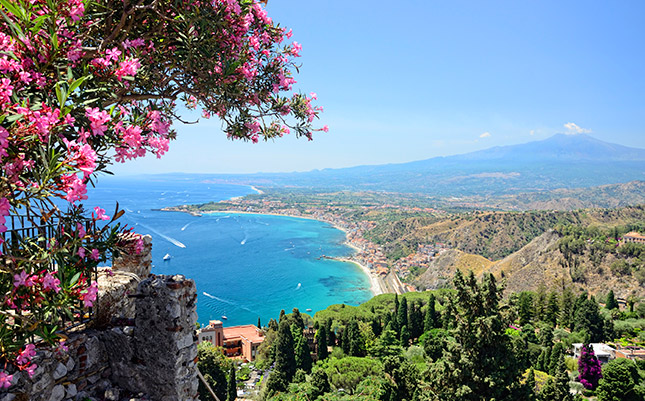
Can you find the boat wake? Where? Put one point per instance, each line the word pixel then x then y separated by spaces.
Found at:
pixel 186 226
pixel 299 286
pixel 167 238
pixel 227 302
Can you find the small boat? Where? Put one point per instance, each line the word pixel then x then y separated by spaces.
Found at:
pixel 224 317
pixel 308 309
pixel 167 257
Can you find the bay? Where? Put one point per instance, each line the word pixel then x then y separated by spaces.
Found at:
pixel 245 266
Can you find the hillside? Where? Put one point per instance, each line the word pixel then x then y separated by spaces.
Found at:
pixel 583 255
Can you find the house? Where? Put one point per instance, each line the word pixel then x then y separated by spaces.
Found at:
pixel 603 352
pixel 630 352
pixel 634 237
pixel 237 341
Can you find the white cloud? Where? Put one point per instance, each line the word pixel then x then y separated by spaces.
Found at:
pixel 575 129
pixel 485 135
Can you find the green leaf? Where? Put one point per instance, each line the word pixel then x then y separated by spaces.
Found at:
pixel 11 7
pixel 74 85
pixel 74 279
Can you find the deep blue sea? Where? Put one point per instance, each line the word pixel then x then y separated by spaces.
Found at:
pixel 245 266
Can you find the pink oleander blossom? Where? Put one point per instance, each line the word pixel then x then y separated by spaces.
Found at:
pixel 127 67
pixel 89 295
pixel 5 380
pixel 50 282
pixel 23 279
pixel 100 214
pixel 94 254
pixel 26 354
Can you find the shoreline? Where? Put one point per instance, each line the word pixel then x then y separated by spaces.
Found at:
pixel 376 283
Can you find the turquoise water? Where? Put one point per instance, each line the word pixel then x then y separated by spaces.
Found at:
pixel 245 266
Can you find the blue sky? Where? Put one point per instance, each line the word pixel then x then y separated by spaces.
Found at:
pixel 410 80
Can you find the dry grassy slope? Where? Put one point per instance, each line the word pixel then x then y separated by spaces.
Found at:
pixel 443 268
pixel 536 263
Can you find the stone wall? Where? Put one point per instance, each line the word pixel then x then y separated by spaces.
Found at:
pixel 146 352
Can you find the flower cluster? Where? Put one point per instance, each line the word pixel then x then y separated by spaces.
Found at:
pixel 78 93
pixel 590 371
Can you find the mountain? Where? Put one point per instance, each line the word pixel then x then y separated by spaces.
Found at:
pixel 561 161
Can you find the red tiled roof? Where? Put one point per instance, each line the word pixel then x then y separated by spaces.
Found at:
pixel 248 332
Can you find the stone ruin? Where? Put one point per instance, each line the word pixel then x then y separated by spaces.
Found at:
pixel 141 346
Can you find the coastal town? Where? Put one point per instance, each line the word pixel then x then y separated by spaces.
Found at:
pixel 387 275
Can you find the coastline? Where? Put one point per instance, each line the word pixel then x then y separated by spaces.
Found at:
pixel 377 286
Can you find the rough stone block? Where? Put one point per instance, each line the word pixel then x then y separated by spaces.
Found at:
pixel 58 393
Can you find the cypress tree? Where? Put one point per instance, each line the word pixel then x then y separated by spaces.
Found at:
pixel 282 316
pixel 273 325
pixel 344 345
pixel 303 355
pixel 566 307
pixel 396 324
pixel 415 317
pixel 232 385
pixel 319 383
pixel 259 323
pixel 356 340
pixel 405 336
pixel 285 361
pixel 430 321
pixel 548 391
pixel 611 302
pixel 402 314
pixel 321 338
pixel 297 318
pixel 331 335
pixel 448 315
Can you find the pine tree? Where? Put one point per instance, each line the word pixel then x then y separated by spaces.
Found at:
pixel 556 352
pixel 562 390
pixel 588 318
pixel 530 386
pixel 525 308
pixel 552 309
pixel 231 393
pixel 566 307
pixel 430 321
pixel 539 303
pixel 285 361
pixel 303 355
pixel 321 338
pixel 479 363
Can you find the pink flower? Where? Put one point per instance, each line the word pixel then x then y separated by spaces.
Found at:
pixel 81 252
pixel 325 128
pixel 313 95
pixel 26 354
pixel 51 283
pixel 89 295
pixel 80 230
pixel 138 246
pixel 5 380
pixel 100 214
pixel 23 279
pixel 31 369
pixel 127 67
pixel 62 348
pixel 94 255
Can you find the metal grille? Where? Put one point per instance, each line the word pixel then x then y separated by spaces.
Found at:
pixel 23 227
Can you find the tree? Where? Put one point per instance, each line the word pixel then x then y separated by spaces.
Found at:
pixel 611 302
pixel 552 309
pixel 297 318
pixel 588 318
pixel 320 383
pixel 232 385
pixel 566 307
pixel 285 361
pixel 479 362
pixel 530 386
pixel 331 335
pixel 430 321
pixel 303 355
pixel 387 344
pixel 356 339
pixel 282 316
pixel 562 389
pixel 589 369
pixel 556 352
pixel 405 336
pixel 321 339
pixel 402 314
pixel 539 302
pixel 415 319
pixel 525 307
pixel 619 380
pixel 213 365
pixel 87 84
pixel 259 323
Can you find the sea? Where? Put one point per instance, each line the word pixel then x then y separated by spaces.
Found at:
pixel 245 266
